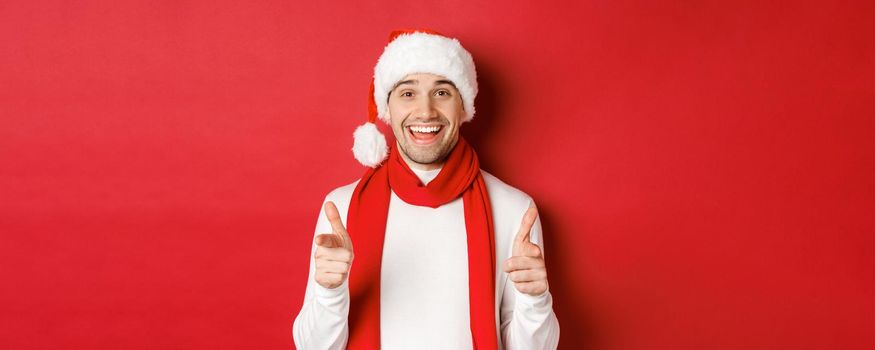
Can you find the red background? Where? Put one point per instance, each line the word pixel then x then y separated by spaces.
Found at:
pixel 704 169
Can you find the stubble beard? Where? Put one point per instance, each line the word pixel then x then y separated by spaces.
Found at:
pixel 426 155
pixel 430 155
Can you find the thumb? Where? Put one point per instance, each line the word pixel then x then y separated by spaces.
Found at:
pixel 522 241
pixel 336 225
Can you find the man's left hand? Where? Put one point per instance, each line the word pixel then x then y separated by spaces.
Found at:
pixel 526 265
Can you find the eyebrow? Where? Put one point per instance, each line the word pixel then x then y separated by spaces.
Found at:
pixel 414 81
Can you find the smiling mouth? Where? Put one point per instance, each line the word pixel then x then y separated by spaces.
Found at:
pixel 424 134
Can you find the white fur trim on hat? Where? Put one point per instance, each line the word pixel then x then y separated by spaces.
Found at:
pixel 425 53
pixel 369 145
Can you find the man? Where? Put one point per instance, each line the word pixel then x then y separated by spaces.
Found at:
pixel 426 250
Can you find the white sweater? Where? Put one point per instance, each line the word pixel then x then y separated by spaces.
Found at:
pixel 424 279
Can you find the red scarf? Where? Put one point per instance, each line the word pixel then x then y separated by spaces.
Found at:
pixel 366 224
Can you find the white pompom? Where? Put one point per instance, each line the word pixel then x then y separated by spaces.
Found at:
pixel 369 146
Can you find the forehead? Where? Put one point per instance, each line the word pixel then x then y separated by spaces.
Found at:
pixel 423 80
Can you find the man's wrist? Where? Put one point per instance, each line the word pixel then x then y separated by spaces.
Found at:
pixel 532 300
pixel 335 292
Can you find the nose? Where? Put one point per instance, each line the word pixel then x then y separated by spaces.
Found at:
pixel 425 109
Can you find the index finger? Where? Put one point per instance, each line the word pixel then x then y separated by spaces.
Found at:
pixel 526 226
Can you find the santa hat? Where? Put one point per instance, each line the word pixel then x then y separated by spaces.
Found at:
pixel 412 51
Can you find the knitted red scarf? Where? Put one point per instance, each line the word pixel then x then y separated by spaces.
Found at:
pixel 366 224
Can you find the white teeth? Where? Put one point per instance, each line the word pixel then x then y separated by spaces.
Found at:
pixel 425 129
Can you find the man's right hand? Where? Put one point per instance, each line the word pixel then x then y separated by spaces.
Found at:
pixel 333 251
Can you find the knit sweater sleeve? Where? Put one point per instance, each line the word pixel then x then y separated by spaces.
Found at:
pixel 528 322
pixel 322 322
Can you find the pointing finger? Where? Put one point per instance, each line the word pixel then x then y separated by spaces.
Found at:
pixel 328 240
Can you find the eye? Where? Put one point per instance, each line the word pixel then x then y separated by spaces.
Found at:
pixel 407 94
pixel 443 93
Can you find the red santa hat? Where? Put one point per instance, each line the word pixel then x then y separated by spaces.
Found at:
pixel 412 51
